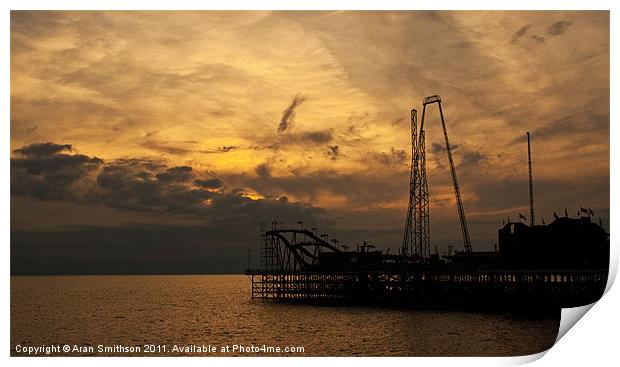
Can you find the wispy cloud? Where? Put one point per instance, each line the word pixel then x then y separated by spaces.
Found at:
pixel 288 115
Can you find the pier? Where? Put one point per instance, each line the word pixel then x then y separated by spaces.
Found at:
pixel 456 288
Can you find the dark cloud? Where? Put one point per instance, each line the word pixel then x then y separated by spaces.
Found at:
pixel 464 158
pixel 43 149
pixel 317 137
pixel 333 151
pixel 263 170
pixel 472 158
pixel 133 187
pixel 558 28
pixel 523 32
pixel 176 174
pixel 44 171
pixel 304 137
pixel 437 148
pixel 395 157
pixel 520 33
pixel 288 115
pixel 223 149
pixel 136 187
pixel 212 183
pixel 141 185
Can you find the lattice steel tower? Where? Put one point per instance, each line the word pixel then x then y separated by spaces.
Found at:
pixel 416 239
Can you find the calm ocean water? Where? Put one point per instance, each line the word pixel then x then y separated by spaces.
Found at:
pixel 199 311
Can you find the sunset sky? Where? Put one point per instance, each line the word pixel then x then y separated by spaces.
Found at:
pixel 158 141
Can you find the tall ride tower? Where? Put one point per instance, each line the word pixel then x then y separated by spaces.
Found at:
pixel 416 239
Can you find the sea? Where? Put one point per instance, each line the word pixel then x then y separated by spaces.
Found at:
pixel 214 315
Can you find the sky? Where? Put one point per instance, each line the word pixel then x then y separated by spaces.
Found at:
pixel 157 142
